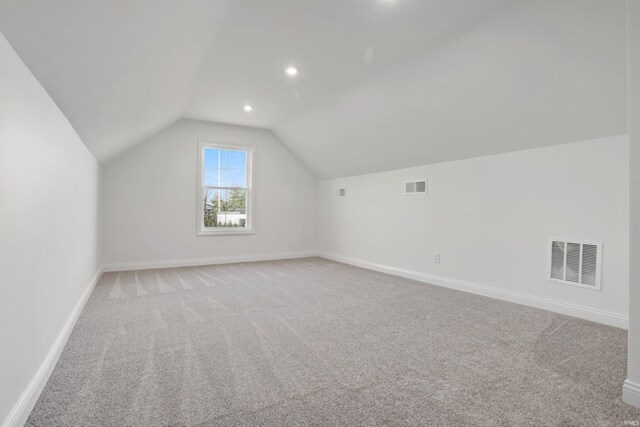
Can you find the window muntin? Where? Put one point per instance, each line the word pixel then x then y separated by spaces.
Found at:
pixel 224 205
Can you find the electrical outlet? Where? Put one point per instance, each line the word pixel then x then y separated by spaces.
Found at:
pixel 436 258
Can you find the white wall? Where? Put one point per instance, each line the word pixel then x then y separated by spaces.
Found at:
pixel 490 219
pixel 632 387
pixel 150 199
pixel 48 227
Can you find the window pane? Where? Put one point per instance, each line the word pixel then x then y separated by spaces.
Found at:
pixel 211 156
pixel 234 169
pixel 236 159
pixel 225 208
pixel 233 178
pixel 225 168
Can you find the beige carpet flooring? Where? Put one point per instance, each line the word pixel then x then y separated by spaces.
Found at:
pixel 315 342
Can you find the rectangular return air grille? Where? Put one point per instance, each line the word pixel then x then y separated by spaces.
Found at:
pixel 415 187
pixel 575 263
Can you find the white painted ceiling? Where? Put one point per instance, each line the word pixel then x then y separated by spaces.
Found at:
pixel 383 84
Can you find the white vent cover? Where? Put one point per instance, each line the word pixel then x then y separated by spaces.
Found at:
pixel 341 192
pixel 415 187
pixel 575 263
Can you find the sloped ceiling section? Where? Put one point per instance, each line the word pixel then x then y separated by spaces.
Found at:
pixel 120 70
pixel 529 75
pixel 383 84
pixel 335 44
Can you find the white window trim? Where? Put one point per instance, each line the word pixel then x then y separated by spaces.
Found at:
pixel 201 230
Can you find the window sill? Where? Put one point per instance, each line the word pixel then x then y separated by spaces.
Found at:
pixel 224 232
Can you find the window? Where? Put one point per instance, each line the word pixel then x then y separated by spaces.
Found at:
pixel 224 189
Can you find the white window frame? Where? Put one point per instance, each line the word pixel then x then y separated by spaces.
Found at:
pixel 223 231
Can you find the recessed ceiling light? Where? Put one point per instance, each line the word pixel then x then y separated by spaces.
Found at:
pixel 247 108
pixel 291 71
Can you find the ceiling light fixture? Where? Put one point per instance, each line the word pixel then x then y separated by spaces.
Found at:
pixel 247 108
pixel 291 71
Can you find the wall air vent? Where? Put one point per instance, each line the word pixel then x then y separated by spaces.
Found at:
pixel 575 263
pixel 415 187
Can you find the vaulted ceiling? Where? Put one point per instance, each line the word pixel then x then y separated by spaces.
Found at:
pixel 382 84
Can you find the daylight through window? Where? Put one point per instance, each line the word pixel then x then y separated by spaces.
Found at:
pixel 225 189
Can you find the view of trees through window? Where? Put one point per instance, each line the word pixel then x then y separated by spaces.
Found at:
pixel 225 208
pixel 225 188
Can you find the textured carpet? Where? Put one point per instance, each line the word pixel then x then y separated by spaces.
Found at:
pixel 314 342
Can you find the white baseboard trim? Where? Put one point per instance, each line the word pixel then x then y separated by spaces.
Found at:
pixel 582 312
pixel 147 265
pixel 631 393
pixel 23 407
